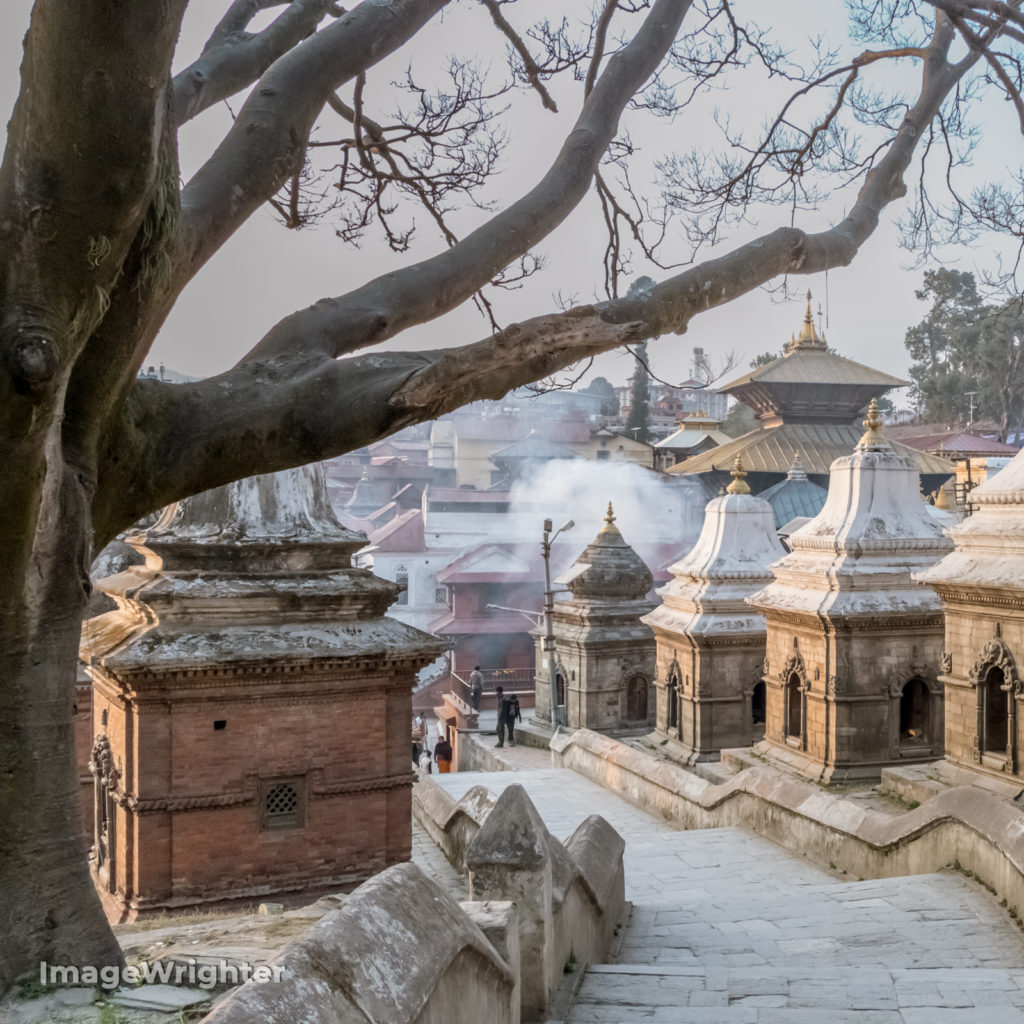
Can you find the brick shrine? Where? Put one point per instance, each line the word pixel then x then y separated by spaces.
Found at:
pixel 251 706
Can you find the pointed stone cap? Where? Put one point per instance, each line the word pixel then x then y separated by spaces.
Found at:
pixel 796 470
pixel 362 499
pixel 274 515
pixel 1004 488
pixel 739 483
pixel 608 569
pixel 513 835
pixel 808 337
pixel 873 437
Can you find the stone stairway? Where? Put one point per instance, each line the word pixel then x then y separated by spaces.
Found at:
pixel 731 929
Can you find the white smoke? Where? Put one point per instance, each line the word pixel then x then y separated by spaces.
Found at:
pixel 651 511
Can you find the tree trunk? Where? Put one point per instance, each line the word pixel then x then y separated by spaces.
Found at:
pixel 49 909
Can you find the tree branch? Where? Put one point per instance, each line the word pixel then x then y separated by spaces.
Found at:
pixel 529 64
pixel 389 304
pixel 264 147
pixel 234 58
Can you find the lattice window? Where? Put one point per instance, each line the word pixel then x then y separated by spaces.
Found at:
pixel 440 595
pixel 402 579
pixel 282 803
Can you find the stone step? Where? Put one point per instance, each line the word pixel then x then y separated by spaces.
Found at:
pixel 623 993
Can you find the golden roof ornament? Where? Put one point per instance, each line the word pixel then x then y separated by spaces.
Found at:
pixel 873 437
pixel 739 483
pixel 609 521
pixel 808 336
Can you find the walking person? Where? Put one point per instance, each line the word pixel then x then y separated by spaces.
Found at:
pixel 508 713
pixel 443 755
pixel 476 684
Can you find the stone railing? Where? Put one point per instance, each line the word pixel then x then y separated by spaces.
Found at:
pixel 570 898
pixel 398 950
pixel 964 827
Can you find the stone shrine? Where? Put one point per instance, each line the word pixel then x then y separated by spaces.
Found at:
pixel 854 645
pixel 981 584
pixel 604 654
pixel 710 643
pixel 251 706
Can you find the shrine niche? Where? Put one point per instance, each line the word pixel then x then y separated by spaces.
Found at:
pixel 604 655
pixel 854 646
pixel 981 584
pixel 710 643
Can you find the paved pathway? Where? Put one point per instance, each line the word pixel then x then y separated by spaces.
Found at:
pixel 728 928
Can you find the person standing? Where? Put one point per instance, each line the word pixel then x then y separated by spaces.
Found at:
pixel 476 686
pixel 443 755
pixel 418 732
pixel 508 713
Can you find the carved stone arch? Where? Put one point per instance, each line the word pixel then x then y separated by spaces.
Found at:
pixel 795 664
pixel 561 682
pixel 995 654
pixel 899 677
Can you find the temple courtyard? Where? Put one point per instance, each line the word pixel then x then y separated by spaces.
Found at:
pixel 725 926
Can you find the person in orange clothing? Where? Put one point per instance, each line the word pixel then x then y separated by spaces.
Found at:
pixel 443 755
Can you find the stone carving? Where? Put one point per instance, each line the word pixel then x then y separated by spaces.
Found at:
pixel 795 663
pixel 996 654
pixel 833 686
pixel 947 662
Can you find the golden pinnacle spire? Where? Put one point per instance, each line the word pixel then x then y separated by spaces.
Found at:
pixel 808 337
pixel 808 316
pixel 609 521
pixel 739 483
pixel 873 437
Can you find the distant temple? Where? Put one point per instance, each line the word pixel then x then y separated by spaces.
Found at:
pixel 251 706
pixel 808 401
pixel 603 657
pixel 711 643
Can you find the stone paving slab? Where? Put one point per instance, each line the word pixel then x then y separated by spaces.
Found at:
pixel 728 928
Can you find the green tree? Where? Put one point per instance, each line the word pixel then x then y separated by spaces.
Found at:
pixel 610 401
pixel 639 420
pixel 944 345
pixel 764 359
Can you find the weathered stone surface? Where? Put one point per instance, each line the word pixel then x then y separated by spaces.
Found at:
pixel 853 644
pixel 710 642
pixel 981 584
pixel 368 961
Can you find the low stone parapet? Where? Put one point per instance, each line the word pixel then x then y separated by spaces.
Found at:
pixel 398 950
pixel 963 826
pixel 450 823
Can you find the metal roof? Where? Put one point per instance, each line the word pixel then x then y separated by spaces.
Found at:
pixel 791 497
pixel 958 442
pixel 813 366
pixel 772 450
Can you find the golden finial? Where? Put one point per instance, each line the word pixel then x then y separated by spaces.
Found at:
pixel 873 437
pixel 739 483
pixel 808 316
pixel 609 521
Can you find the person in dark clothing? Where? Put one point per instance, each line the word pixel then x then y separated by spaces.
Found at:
pixel 508 714
pixel 476 684
pixel 443 755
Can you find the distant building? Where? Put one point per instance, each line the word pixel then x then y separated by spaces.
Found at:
pixel 696 434
pixel 808 401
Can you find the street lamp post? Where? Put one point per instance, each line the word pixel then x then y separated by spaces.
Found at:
pixel 549 606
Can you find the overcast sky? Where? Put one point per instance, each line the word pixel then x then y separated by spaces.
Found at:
pixel 266 272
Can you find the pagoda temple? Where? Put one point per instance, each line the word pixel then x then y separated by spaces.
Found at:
pixel 808 401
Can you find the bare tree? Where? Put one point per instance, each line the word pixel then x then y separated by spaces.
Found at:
pixel 98 238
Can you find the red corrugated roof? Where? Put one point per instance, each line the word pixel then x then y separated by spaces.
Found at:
pixel 957 442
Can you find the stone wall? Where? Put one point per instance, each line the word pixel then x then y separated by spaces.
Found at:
pixel 570 897
pixel 400 950
pixel 964 826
